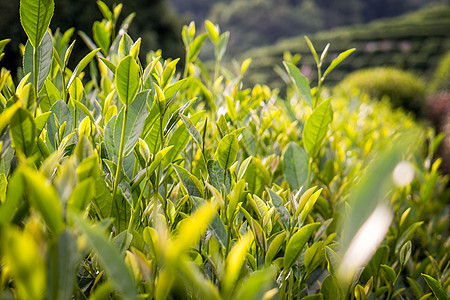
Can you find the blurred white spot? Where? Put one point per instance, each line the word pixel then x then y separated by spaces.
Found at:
pixel 365 242
pixel 403 174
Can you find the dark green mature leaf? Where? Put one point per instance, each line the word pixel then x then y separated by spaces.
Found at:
pixel 295 166
pixel 44 60
pixel 180 138
pixel 227 151
pixel 61 114
pixel 63 263
pixel 137 113
pixel 23 131
pixel 35 16
pixel 110 259
pixel 189 181
pixel 110 138
pixel 127 79
pixel 193 131
pixel 216 174
pixel 316 128
pixel 281 209
pixel 435 287
pixel 390 273
pixel 297 242
pixel 300 82
pixel 330 288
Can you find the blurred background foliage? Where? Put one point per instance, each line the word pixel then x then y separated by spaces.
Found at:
pixel 252 23
pixel 154 21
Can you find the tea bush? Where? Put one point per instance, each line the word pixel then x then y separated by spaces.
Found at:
pixel 402 88
pixel 441 77
pixel 147 181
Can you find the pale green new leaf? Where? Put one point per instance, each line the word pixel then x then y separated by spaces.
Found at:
pixel 227 151
pixel 81 65
pixel 257 284
pixel 316 128
pixel 297 242
pixel 194 48
pixel 43 197
pixel 337 61
pixel 101 36
pixel 274 248
pixel 35 16
pixel 23 131
pixel 127 79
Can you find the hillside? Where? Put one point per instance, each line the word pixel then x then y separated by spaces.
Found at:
pixel 413 41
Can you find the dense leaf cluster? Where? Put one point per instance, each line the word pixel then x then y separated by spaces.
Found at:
pixel 148 182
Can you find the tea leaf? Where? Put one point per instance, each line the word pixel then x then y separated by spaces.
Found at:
pixel 81 65
pixel 63 266
pixel 227 151
pixel 109 258
pixel 137 113
pixel 297 242
pixel 274 248
pixel 43 197
pixel 234 262
pixel 35 16
pixel 193 131
pixel 295 166
pixel 101 36
pixel 194 48
pixel 390 273
pixel 337 61
pixel 435 287
pixel 189 181
pixel 281 209
pixel 127 79
pixel 14 194
pixel 316 128
pixel 300 82
pixel 44 60
pixel 330 288
pixel 23 131
pixel 256 284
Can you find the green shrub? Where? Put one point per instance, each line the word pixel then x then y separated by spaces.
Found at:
pixel 144 181
pixel 441 77
pixel 403 89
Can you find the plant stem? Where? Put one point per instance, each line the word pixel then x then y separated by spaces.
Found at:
pixel 158 175
pixel 35 74
pixel 120 160
pixel 308 182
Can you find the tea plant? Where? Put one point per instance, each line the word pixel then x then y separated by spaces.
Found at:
pixel 125 179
